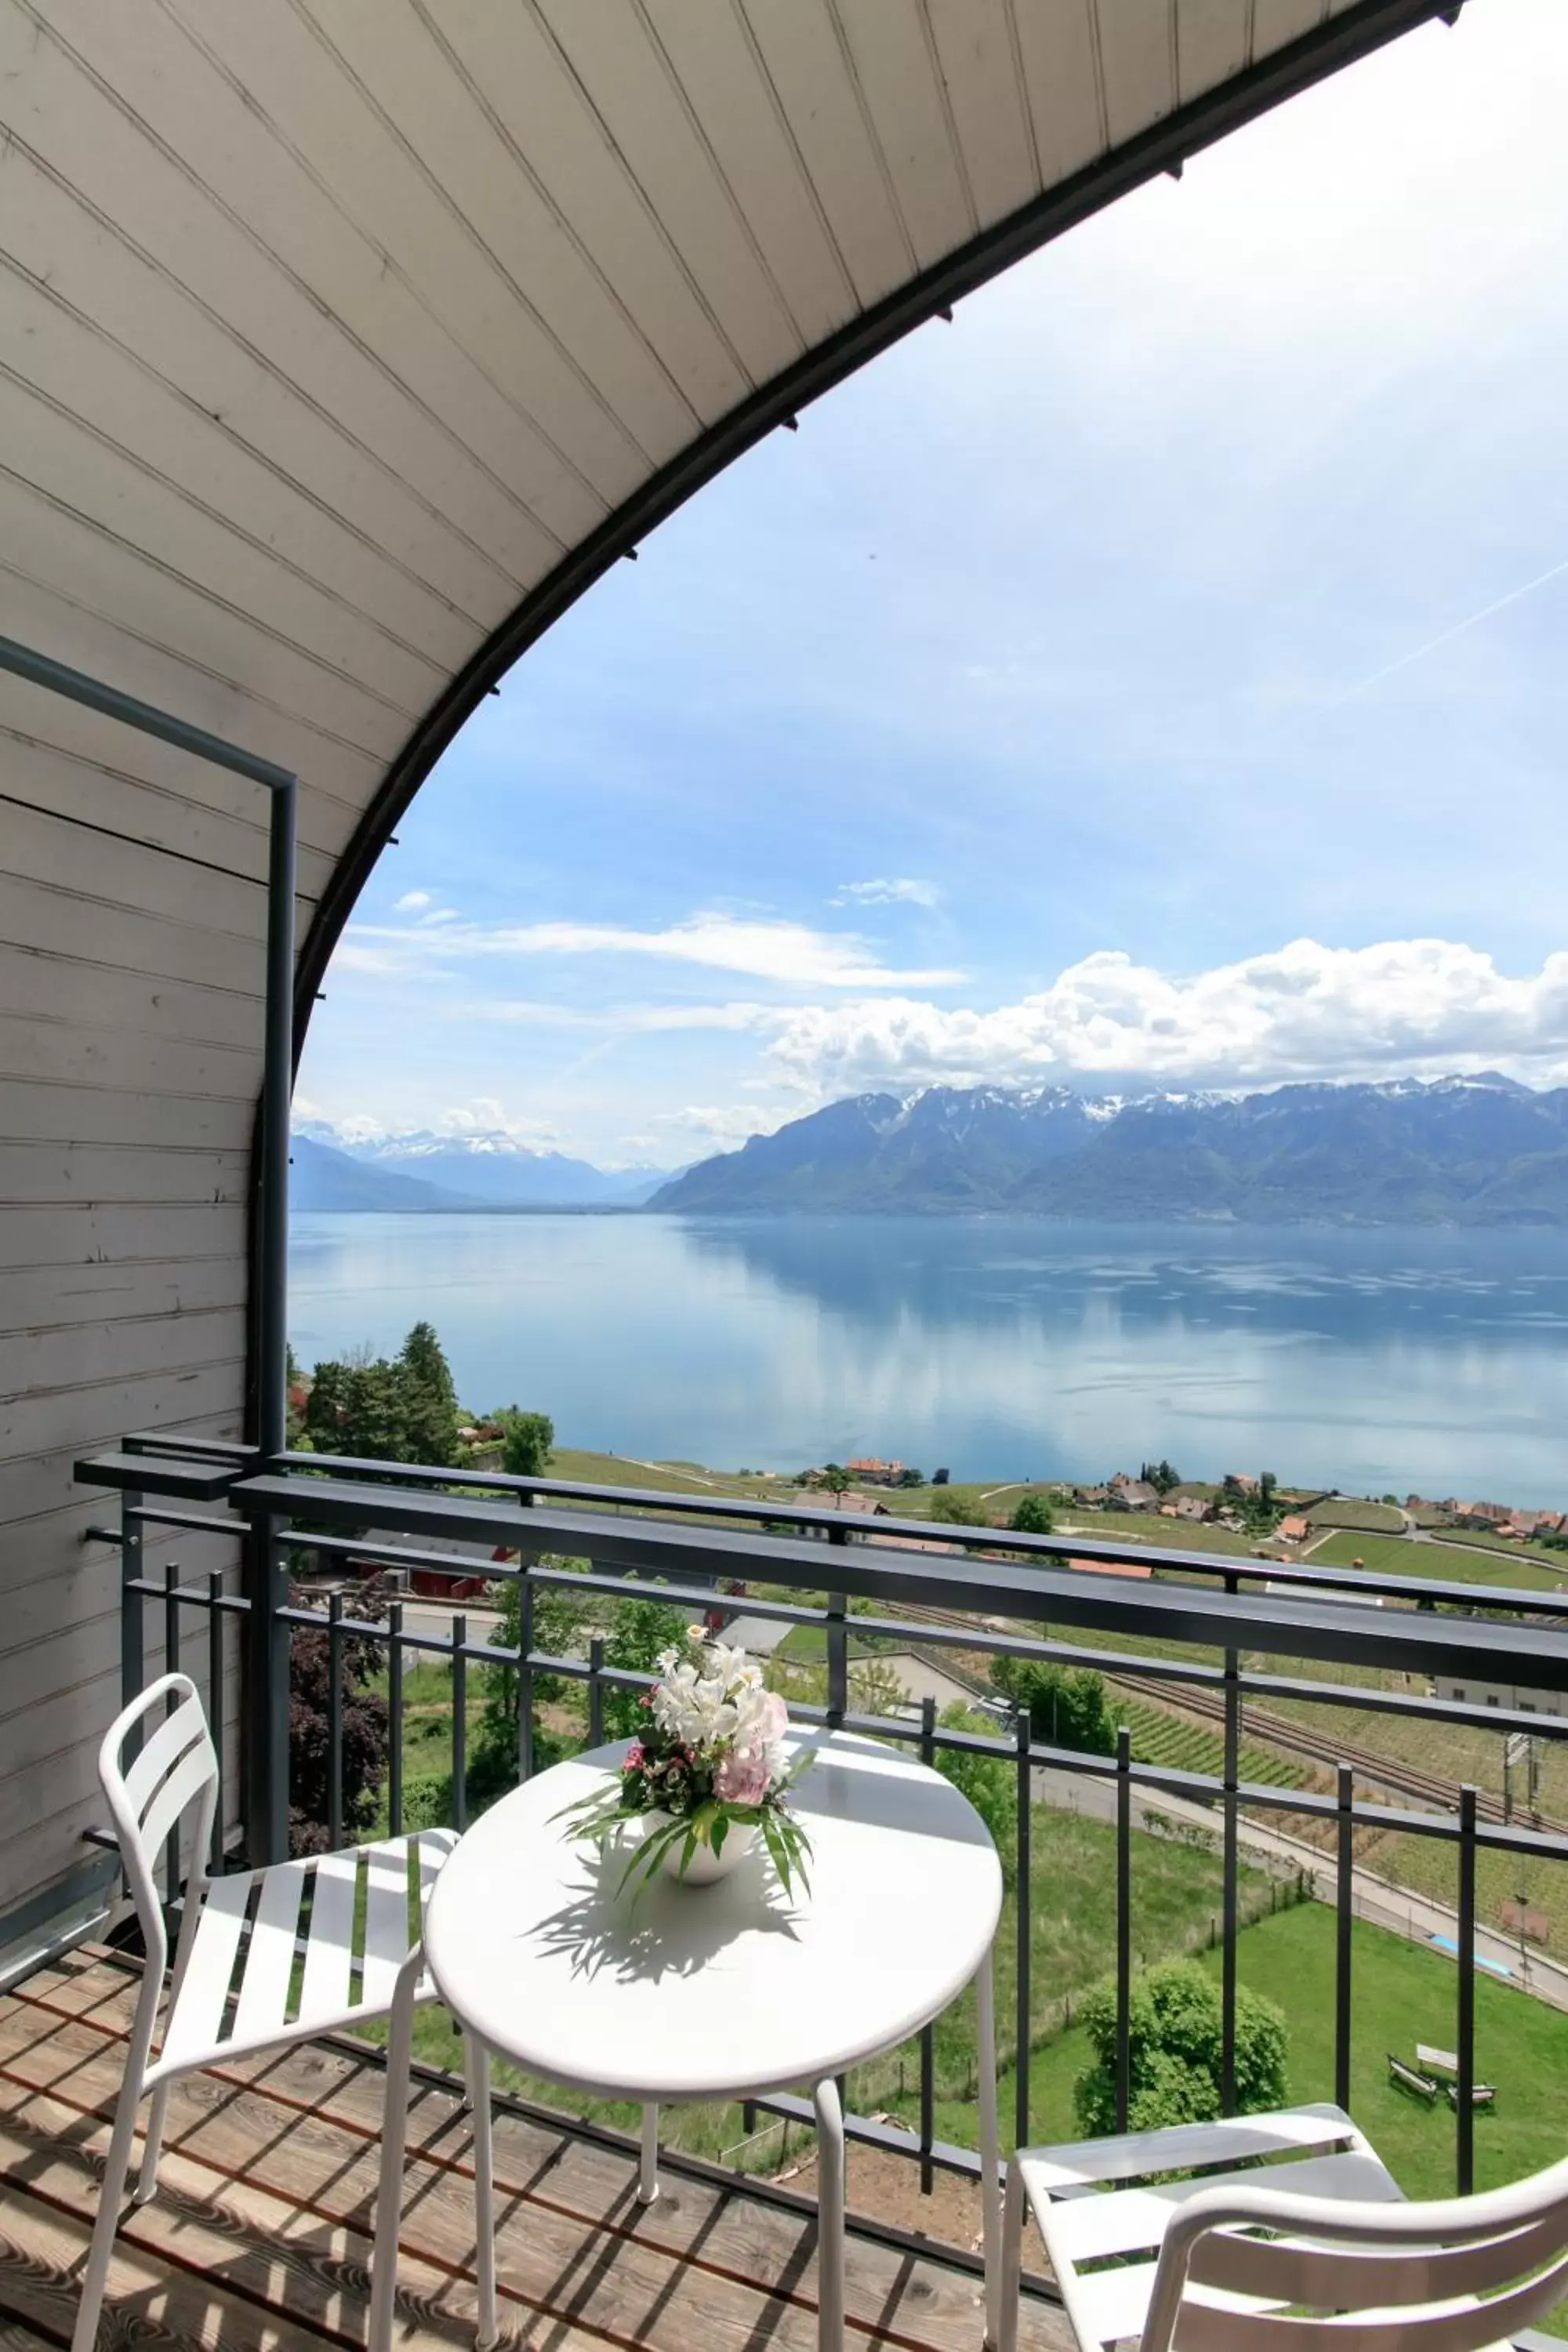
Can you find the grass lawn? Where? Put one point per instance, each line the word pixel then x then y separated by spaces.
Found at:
pixel 1401 1994
pixel 1398 1556
pixel 671 1477
pixel 1556 1562
pixel 1352 1511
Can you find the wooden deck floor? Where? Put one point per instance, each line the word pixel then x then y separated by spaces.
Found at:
pixel 258 2236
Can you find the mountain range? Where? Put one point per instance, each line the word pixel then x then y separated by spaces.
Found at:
pixel 421 1171
pixel 1470 1151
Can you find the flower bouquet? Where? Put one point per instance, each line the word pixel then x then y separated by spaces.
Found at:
pixel 708 1776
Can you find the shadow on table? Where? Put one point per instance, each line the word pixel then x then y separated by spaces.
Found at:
pixel 663 1928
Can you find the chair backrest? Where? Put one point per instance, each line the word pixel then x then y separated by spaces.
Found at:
pixel 169 1784
pixel 1453 2276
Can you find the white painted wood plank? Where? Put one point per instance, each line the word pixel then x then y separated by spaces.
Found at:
pixel 1211 44
pixel 508 57
pixel 906 101
pixel 727 89
pixel 1137 50
pixel 329 1955
pixel 75 1056
pixel 107 1233
pixel 82 473
pixel 144 421
pixel 61 991
pixel 38 613
pixel 409 394
pixel 269 1955
pixel 41 847
pixel 42 1361
pixel 118 1117
pixel 62 923
pixel 191 357
pixel 43 775
pixel 90 1415
pixel 982 72
pixel 488 253
pixel 1278 22
pixel 42 1173
pixel 800 52
pixel 625 81
pixel 1061 74
pixel 47 543
pixel 198 2023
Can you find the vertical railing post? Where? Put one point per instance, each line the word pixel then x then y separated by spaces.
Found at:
pixel 1023 1913
pixel 1465 2038
pixel 928 2034
pixel 459 1722
pixel 394 1719
pixel 596 1692
pixel 216 1712
pixel 266 1651
pixel 1123 1926
pixel 172 1666
pixel 1344 1893
pixel 524 1670
pixel 838 1647
pixel 335 1720
pixel 1232 1872
pixel 132 1654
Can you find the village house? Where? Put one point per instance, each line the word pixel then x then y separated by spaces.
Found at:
pixel 874 1472
pixel 1295 1529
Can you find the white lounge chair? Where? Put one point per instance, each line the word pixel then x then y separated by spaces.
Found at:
pixel 1313 2249
pixel 246 1957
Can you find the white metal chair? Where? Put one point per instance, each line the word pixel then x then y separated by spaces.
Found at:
pixel 254 1969
pixel 1295 2255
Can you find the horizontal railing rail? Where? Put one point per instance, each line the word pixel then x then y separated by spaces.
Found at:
pixel 998 1596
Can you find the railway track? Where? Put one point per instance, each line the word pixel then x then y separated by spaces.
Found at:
pixel 1301 1740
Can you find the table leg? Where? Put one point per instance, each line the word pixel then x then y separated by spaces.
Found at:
pixel 990 2174
pixel 478 2067
pixel 648 2171
pixel 829 2219
pixel 393 2134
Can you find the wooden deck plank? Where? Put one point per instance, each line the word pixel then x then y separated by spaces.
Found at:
pixel 278 2155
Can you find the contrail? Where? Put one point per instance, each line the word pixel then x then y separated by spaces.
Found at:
pixel 1457 631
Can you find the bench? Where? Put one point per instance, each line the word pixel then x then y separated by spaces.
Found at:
pixel 1482 2095
pixel 1437 2061
pixel 1407 2078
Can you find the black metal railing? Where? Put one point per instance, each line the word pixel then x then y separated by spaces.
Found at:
pixel 1219 1630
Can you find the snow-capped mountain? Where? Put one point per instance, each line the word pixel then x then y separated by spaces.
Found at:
pixel 473 1170
pixel 1481 1149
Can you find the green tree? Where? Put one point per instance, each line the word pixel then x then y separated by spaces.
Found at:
pixel 958 1511
pixel 430 1416
pixel 1032 1516
pixel 326 1406
pixel 528 1441
pixel 989 1783
pixel 1161 1476
pixel 910 1477
pixel 1175 2051
pixel 836 1479
pixel 559 1615
pixel 939 1477
pixel 641 1630
pixel 364 1722
pixel 375 1420
pixel 1065 1705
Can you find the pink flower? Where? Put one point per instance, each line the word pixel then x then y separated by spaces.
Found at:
pixel 634 1758
pixel 742 1779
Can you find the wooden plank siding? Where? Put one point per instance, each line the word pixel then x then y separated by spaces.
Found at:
pixel 328 330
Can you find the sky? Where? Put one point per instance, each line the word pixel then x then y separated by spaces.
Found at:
pixel 1154 678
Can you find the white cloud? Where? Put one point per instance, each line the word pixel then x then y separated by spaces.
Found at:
pixel 486 1115
pixel 437 915
pixel 529 1013
pixel 788 953
pixel 1405 1006
pixel 884 891
pixel 412 902
pixel 716 1128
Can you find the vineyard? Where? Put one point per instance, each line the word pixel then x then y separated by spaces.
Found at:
pixel 1181 1745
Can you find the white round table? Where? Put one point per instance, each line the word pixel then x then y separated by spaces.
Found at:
pixel 718 1992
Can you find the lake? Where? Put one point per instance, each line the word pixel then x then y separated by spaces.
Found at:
pixel 999 1346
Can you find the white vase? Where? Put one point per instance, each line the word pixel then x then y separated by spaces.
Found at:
pixel 705 1867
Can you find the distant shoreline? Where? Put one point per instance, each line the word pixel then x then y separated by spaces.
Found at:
pixel 1195 1221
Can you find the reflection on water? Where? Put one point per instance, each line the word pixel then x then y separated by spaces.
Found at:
pixel 1001 1347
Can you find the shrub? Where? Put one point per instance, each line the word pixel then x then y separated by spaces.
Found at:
pixel 1065 1705
pixel 1032 1516
pixel 989 1784
pixel 1174 2051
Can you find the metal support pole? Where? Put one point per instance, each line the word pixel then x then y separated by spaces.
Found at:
pixel 277 1088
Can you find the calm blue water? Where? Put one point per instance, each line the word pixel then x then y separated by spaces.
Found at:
pixel 1003 1348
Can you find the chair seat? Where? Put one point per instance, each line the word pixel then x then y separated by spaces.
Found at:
pixel 1103 2240
pixel 247 1985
